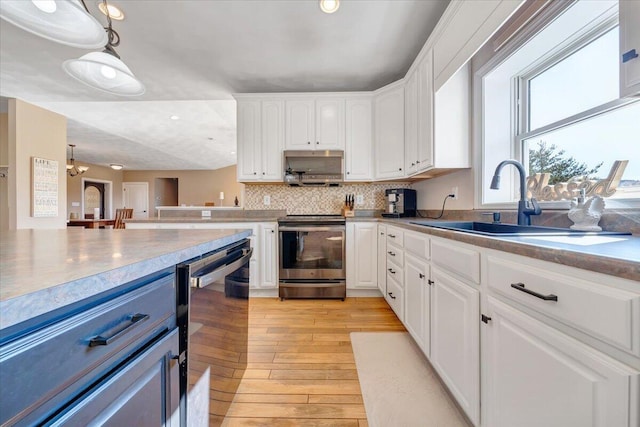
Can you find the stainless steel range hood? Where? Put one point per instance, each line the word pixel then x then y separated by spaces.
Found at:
pixel 314 168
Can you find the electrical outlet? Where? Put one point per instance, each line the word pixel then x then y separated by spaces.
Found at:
pixel 359 199
pixel 454 191
pixel 266 200
pixel 206 214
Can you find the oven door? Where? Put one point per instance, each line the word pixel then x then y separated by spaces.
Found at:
pixel 312 252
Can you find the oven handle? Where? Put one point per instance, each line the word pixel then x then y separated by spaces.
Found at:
pixel 229 265
pixel 311 228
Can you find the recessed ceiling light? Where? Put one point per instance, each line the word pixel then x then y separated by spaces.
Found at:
pixel 174 118
pixel 114 12
pixel 233 152
pixel 329 6
pixel 116 166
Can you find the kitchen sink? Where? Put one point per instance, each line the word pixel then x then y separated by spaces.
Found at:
pixel 499 229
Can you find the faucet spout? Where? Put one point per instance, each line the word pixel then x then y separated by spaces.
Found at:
pixel 526 208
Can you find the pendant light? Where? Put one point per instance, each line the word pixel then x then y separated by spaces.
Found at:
pixel 329 6
pixel 62 21
pixel 105 70
pixel 72 169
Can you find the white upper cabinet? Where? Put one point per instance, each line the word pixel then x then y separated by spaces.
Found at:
pixel 411 123
pixel 359 140
pixel 260 140
pixel 463 29
pixel 315 124
pixel 300 125
pixel 389 132
pixel 629 48
pixel 425 113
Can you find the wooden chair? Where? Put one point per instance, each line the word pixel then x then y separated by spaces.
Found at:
pixel 120 215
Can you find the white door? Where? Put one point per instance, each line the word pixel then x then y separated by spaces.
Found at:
pixel 330 124
pixel 359 140
pixel 272 140
pixel 136 195
pixel 411 124
pixel 389 134
pixel 362 255
pixel 417 300
pixel 535 375
pixel 425 113
pixel 455 339
pixel 300 126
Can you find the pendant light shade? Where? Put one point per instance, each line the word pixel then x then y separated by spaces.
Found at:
pixel 61 21
pixel 104 71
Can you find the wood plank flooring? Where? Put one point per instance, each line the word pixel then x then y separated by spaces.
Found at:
pixel 301 370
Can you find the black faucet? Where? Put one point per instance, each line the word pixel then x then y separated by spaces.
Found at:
pixel 526 208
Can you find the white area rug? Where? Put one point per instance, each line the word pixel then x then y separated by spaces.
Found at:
pixel 399 387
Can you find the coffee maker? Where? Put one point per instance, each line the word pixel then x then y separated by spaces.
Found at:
pixel 400 202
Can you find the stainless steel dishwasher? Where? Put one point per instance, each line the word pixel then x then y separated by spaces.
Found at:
pixel 212 296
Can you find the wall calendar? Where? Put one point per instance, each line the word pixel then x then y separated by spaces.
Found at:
pixel 45 188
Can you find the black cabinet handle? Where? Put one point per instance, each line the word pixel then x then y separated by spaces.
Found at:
pixel 430 282
pixel 485 318
pixel 348 173
pixel 520 287
pixel 393 236
pixel 317 143
pixel 391 295
pixel 391 270
pixel 255 173
pixel 421 275
pixel 399 169
pixel 309 142
pixel 381 233
pixel 273 231
pixel 413 164
pixel 391 253
pixel 133 321
pixel 417 161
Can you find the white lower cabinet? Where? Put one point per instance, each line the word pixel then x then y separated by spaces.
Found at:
pixel 534 375
pixel 394 296
pixel 417 300
pixel 382 259
pixel 269 256
pixel 455 339
pixel 362 255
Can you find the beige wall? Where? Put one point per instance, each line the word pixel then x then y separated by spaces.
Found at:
pixel 4 161
pixel 99 174
pixel 34 132
pixel 194 187
pixel 431 192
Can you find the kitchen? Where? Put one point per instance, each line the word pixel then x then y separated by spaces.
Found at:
pixel 613 341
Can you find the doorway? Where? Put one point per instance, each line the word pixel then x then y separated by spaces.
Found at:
pixel 96 193
pixel 165 192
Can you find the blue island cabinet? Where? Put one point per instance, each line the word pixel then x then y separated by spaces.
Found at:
pixel 111 360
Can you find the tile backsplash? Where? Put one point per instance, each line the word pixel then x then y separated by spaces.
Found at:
pixel 316 200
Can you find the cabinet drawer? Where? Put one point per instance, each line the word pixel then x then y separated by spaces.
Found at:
pixel 395 236
pixel 395 272
pixel 395 297
pixel 417 244
pixel 610 314
pixel 57 362
pixel 459 260
pixel 395 255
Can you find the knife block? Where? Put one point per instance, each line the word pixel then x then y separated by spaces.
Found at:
pixel 348 213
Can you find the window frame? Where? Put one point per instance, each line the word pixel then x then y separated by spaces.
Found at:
pixel 520 100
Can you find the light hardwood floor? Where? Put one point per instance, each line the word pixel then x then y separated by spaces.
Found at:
pixel 301 370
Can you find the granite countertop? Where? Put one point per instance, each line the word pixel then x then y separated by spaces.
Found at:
pixel 616 255
pixel 204 219
pixel 44 270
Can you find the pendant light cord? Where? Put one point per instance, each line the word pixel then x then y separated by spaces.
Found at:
pixel 113 38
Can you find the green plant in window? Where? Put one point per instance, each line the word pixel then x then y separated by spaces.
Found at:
pixel 547 158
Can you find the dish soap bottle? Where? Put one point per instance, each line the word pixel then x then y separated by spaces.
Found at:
pixel 235 202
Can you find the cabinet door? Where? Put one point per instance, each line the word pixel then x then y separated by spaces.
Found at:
pixel 329 122
pixel 417 301
pixel 300 132
pixel 455 344
pixel 272 140
pixel 359 142
pixel 382 258
pixel 425 113
pixel 411 124
pixel 362 255
pixel 249 134
pixel 268 258
pixel 629 41
pixel 389 135
pixel 537 376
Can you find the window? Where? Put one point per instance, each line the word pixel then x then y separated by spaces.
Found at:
pixel 551 101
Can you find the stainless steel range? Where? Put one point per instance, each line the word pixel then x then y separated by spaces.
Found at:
pixel 312 256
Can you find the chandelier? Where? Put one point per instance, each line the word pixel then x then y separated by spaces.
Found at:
pixel 69 22
pixel 72 169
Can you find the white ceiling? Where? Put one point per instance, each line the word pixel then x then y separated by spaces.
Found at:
pixel 193 54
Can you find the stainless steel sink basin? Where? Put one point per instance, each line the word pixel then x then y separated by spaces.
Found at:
pixel 492 229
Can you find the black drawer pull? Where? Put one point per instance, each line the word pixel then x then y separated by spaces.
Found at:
pixel 421 275
pixel 135 320
pixel 391 253
pixel 391 270
pixel 430 282
pixel 391 295
pixel 520 287
pixel 393 236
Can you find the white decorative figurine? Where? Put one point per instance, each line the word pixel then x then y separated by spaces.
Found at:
pixel 586 215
